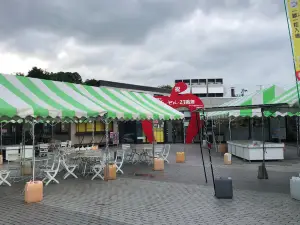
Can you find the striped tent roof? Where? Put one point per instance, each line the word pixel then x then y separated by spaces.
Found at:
pixel 289 97
pixel 23 97
pixel 259 97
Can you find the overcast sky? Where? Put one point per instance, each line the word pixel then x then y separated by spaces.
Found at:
pixel 149 42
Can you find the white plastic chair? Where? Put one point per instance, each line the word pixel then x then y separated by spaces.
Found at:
pixel 51 173
pixel 129 152
pixel 69 144
pixel 166 152
pixel 43 150
pixel 14 164
pixel 119 160
pixel 63 144
pixel 69 167
pixel 4 174
pixel 158 153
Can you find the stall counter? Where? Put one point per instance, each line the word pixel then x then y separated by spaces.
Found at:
pixel 253 150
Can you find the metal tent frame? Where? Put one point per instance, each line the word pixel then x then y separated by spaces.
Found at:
pixel 262 172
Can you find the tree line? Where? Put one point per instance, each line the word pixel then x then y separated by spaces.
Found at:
pixel 71 77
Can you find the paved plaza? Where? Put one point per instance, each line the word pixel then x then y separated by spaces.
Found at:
pixel 179 195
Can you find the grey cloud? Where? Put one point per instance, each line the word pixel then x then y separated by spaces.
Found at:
pixel 97 21
pixel 137 41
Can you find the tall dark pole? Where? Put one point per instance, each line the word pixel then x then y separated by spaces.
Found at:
pixel 209 146
pixel 262 171
pixel 201 150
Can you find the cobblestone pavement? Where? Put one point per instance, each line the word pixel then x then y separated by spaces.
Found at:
pixel 179 195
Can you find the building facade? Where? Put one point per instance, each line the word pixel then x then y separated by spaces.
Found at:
pixel 204 87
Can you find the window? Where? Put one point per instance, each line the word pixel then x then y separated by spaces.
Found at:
pixel 88 127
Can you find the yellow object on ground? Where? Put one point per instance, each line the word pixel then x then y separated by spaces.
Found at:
pixel 110 172
pixel 180 157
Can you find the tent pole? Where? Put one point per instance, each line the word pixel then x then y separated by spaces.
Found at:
pixel 209 145
pixel 93 132
pixel 229 127
pixel 1 138
pixel 52 131
pixel 297 124
pixel 252 129
pixel 23 142
pixel 262 171
pixel 279 128
pixel 106 148
pixel 33 151
pixel 213 135
pixel 153 141
pixel 201 150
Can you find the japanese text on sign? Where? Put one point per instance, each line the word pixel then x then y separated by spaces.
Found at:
pixel 294 16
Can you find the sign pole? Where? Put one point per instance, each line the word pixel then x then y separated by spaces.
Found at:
pixel 291 43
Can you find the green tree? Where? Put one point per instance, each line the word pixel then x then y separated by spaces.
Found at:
pixel 20 74
pixel 39 73
pixel 67 77
pixel 92 82
pixel 59 76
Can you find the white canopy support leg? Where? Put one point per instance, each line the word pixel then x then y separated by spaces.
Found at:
pixel 1 137
pixel 153 140
pixel 107 144
pixel 229 128
pixel 33 151
pixel 297 125
pixel 93 133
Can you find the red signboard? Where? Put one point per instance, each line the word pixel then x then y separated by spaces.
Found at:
pixel 179 100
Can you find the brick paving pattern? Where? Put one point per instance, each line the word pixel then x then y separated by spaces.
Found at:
pixel 179 195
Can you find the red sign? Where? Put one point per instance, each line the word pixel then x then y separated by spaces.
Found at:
pixel 179 100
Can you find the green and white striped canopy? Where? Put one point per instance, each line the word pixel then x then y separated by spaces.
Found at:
pixel 23 97
pixel 259 97
pixel 289 97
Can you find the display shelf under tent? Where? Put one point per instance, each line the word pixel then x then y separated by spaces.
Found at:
pixel 37 101
pixel 261 147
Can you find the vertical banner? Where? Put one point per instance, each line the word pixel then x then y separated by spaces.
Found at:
pixel 293 9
